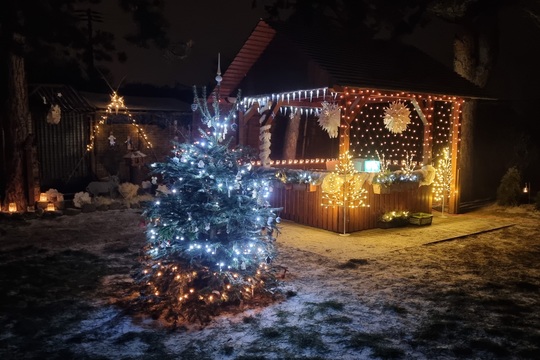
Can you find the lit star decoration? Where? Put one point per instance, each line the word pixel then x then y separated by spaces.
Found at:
pixel 344 186
pixel 397 117
pixel 116 105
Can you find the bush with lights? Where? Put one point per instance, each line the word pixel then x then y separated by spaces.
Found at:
pixel 211 240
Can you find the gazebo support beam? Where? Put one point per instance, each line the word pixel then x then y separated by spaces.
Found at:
pixel 455 193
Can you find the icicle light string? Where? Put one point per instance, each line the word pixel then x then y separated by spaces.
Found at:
pixel 287 97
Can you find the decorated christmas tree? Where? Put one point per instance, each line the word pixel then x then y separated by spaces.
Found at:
pixel 210 241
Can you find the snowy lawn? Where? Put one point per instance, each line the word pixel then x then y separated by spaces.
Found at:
pixel 63 280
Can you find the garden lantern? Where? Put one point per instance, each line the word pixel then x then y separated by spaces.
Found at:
pixel 527 190
pixel 43 197
pixel 12 207
pixel 50 207
pixel 135 158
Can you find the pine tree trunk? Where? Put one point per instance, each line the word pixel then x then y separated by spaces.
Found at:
pixel 18 128
pixel 473 59
pixel 291 137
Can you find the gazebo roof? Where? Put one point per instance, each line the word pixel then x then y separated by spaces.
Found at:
pixel 278 58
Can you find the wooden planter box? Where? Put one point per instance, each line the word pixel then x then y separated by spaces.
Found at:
pixel 304 187
pixel 392 224
pixel 380 189
pixel 421 219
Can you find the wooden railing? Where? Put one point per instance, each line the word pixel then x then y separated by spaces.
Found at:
pixel 304 207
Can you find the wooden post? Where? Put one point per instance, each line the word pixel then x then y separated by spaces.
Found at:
pixel 453 205
pixel 291 136
pixel 427 148
pixel 243 123
pixel 350 107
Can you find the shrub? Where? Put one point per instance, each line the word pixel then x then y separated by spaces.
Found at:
pixel 128 190
pixel 102 200
pixel 509 190
pixel 81 198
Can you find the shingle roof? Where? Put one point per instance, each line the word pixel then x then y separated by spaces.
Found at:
pixel 254 46
pixel 62 95
pixel 378 65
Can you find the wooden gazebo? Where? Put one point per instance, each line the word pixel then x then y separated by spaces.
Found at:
pixel 287 76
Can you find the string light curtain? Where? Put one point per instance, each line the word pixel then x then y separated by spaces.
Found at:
pixel 369 134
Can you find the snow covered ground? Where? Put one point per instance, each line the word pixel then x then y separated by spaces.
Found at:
pixel 375 294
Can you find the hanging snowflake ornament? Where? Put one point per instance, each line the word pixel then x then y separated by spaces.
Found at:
pixel 397 117
pixel 330 118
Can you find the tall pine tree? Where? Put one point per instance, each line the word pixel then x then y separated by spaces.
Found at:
pixel 211 240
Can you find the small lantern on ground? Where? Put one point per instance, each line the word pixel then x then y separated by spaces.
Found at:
pixel 50 207
pixel 12 207
pixel 43 197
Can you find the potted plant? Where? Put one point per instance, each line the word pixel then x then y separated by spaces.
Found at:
pixel 420 219
pixel 391 219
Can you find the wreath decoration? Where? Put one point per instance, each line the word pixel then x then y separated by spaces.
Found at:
pixel 397 117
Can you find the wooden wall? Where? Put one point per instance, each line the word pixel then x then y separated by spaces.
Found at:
pixel 61 150
pixel 304 207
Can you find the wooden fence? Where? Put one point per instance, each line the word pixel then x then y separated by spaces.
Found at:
pixel 304 207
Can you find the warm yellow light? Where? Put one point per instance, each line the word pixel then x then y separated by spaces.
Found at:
pixel 50 207
pixel 43 197
pixel 12 207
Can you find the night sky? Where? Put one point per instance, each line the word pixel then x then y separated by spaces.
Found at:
pixel 223 26
pixel 213 25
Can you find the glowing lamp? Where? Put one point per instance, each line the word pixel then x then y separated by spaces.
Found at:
pixel 525 189
pixel 12 207
pixel 372 166
pixel 50 207
pixel 43 197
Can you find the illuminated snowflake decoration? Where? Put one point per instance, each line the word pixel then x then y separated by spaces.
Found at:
pixel 117 103
pixel 397 117
pixel 330 118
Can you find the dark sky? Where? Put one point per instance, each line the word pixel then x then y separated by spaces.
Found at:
pixel 516 72
pixel 213 25
pixel 223 26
